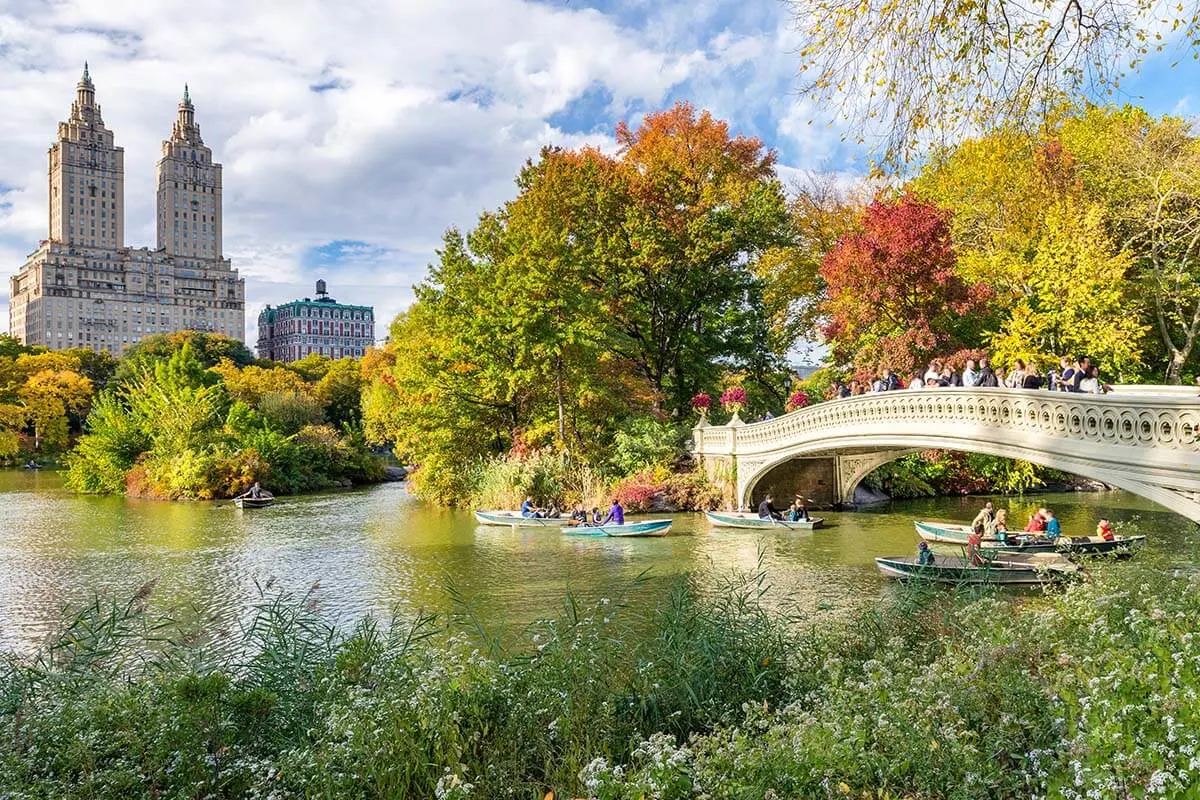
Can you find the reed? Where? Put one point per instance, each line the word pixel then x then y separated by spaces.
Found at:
pixel 712 692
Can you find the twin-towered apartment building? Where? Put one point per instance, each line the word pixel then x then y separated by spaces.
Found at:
pixel 83 287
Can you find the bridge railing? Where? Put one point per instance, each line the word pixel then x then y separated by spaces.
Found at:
pixel 1146 417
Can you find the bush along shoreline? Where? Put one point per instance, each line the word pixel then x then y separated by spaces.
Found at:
pixel 199 421
pixel 1086 693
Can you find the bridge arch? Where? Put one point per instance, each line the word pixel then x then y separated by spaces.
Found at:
pixel 1148 444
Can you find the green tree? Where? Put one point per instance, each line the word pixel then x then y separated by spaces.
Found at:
pixel 697 209
pixel 340 391
pixel 209 350
pixel 1146 173
pixel 1075 299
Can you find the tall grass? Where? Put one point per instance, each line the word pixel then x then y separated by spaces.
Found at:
pixel 124 700
pixel 1089 693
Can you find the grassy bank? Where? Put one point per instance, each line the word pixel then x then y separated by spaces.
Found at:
pixel 708 695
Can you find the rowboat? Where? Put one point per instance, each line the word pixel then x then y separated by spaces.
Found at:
pixel 513 519
pixel 745 519
pixel 583 530
pixel 946 532
pixel 1016 569
pixel 1084 545
pixel 650 527
pixel 253 502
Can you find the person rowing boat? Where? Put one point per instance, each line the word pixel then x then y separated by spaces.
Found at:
pixel 256 492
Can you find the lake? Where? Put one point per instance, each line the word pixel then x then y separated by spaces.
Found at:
pixel 379 550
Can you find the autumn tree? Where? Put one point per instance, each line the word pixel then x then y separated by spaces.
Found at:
pixel 821 210
pixel 45 393
pixel 1074 299
pixel 1123 190
pixel 895 297
pixel 1146 173
pixel 49 396
pixel 701 208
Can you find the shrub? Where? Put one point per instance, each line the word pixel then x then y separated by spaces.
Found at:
pixel 662 490
pixel 938 472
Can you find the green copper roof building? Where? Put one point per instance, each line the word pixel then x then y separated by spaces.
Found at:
pixel 323 326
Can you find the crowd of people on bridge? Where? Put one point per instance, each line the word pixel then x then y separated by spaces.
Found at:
pixel 1071 375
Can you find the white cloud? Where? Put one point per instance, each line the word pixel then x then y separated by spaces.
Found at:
pixel 431 109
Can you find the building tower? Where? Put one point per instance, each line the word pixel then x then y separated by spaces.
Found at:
pixel 189 191
pixel 87 177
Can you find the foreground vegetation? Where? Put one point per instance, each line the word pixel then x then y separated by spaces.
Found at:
pixel 710 694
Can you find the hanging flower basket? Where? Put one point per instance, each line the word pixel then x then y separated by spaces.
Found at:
pixel 797 401
pixel 733 399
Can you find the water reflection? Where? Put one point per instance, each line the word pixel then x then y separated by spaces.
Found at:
pixel 378 549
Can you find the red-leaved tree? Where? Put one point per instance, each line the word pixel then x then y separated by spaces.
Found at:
pixel 894 295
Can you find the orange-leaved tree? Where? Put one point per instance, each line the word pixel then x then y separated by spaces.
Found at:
pixel 894 296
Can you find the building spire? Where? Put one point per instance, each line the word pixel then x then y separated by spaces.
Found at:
pixel 85 98
pixel 186 129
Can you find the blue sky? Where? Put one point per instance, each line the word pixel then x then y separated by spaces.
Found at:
pixel 354 133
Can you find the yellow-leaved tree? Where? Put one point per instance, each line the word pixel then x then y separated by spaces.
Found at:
pixel 48 396
pixel 1074 299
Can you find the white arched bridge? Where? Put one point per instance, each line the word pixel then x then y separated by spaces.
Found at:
pixel 1140 438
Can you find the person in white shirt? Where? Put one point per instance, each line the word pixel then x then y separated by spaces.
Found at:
pixel 932 375
pixel 1091 384
pixel 969 375
pixel 916 382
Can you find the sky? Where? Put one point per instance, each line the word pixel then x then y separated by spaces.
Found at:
pixel 353 134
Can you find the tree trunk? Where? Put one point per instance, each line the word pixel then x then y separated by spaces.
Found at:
pixel 558 396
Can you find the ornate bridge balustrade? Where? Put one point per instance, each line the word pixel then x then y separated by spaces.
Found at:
pixel 1143 439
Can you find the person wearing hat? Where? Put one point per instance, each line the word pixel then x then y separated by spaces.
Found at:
pixel 924 554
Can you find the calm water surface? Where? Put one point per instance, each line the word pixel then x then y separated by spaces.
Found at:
pixel 380 549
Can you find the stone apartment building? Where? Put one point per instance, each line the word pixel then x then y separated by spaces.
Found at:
pixel 83 287
pixel 323 326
